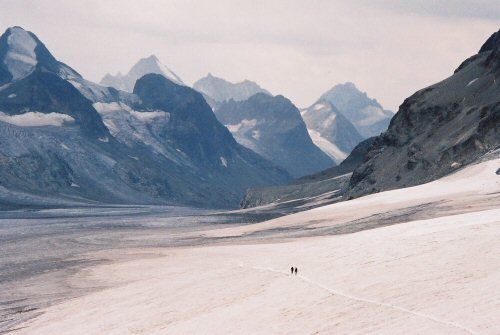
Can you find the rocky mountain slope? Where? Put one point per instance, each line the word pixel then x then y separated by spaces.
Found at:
pixel 330 130
pixel 144 66
pixel 317 189
pixel 219 90
pixel 439 128
pixel 366 114
pixel 272 127
pixel 66 140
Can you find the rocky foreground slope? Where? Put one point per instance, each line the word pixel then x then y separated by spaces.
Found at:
pixel 439 128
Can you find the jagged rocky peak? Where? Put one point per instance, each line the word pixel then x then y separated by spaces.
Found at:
pixel 144 66
pixel 365 113
pixel 21 53
pixel 220 90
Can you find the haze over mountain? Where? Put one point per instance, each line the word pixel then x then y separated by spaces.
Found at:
pixel 273 127
pixel 366 114
pixel 144 66
pixel 221 90
pixel 67 140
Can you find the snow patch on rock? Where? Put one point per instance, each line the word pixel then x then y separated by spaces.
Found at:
pixel 20 58
pixel 36 119
pixel 472 81
pixel 233 128
pixel 327 147
pixel 223 161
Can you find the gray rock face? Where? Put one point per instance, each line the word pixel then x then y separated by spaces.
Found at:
pixel 273 128
pixel 219 90
pixel 330 130
pixel 438 129
pixel 66 140
pixel 366 114
pixel 144 66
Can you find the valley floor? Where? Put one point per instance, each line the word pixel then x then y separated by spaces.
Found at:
pixel 431 266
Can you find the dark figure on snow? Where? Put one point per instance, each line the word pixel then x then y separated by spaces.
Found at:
pixel 291 270
pixel 295 271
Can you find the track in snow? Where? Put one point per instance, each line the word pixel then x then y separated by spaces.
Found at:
pixel 369 301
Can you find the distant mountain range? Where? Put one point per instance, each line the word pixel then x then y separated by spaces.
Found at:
pixel 145 137
pixel 334 131
pixel 66 140
pixel 218 90
pixel 144 66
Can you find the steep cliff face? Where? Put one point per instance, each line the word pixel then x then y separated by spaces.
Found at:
pixel 438 129
pixel 330 130
pixel 273 128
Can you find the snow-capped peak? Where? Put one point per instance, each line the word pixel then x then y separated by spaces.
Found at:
pixel 144 66
pixel 151 64
pixel 20 58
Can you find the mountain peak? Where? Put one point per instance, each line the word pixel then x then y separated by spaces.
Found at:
pixel 20 57
pixel 146 65
pixel 221 90
pixel 493 42
pixel 21 52
pixel 365 113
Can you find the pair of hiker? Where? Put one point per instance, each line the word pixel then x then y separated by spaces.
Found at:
pixel 293 270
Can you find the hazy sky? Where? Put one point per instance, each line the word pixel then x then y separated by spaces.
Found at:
pixel 296 48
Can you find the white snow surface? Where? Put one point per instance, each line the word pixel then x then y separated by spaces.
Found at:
pixel 437 275
pixel 243 125
pixel 36 119
pixel 20 58
pixel 145 116
pixel 327 147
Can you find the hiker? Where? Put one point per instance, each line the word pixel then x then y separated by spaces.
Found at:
pixel 295 271
pixel 291 270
